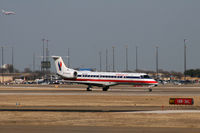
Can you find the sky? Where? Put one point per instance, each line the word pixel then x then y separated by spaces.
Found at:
pixel 88 27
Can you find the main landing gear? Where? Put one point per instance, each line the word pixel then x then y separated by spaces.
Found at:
pixel 150 88
pixel 89 88
pixel 105 88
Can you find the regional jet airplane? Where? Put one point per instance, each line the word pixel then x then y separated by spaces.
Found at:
pixel 101 79
pixel 8 12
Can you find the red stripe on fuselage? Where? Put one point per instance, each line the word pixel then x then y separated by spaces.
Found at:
pixel 117 81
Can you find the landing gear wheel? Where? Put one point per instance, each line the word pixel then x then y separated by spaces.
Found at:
pixel 150 89
pixel 105 88
pixel 89 89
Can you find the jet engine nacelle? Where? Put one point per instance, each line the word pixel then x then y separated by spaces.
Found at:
pixel 70 74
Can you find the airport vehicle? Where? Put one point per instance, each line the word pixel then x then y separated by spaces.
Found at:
pixel 101 79
pixel 8 12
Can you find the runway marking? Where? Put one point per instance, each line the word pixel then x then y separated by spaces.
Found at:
pixel 177 87
pixel 165 111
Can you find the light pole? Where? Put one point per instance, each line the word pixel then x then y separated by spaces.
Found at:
pixel 2 65
pixel 106 60
pixel 47 51
pixel 47 55
pixel 136 59
pixel 185 59
pixel 43 55
pixel 157 62
pixel 100 61
pixel 113 58
pixel 126 58
pixel 13 60
pixel 33 62
pixel 68 58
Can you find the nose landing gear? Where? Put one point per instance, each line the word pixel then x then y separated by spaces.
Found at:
pixel 150 89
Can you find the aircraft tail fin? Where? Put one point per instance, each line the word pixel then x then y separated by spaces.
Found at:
pixel 61 68
pixel 60 65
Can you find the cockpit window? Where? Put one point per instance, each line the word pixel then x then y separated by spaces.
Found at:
pixel 145 76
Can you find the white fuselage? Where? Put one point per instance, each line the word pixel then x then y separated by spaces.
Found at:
pixel 111 78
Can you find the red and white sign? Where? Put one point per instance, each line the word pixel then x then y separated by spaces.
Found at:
pixel 185 101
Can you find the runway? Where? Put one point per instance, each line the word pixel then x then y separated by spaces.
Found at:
pixel 143 100
pixel 125 91
pixel 120 109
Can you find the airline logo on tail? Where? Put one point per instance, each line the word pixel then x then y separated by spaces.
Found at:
pixel 60 65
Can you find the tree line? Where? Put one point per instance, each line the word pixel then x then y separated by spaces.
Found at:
pixel 193 72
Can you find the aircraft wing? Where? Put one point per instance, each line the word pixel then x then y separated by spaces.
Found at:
pixel 99 84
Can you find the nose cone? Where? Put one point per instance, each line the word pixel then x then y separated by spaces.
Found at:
pixel 155 82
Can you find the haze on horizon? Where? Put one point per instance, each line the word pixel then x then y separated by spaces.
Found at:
pixel 88 27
